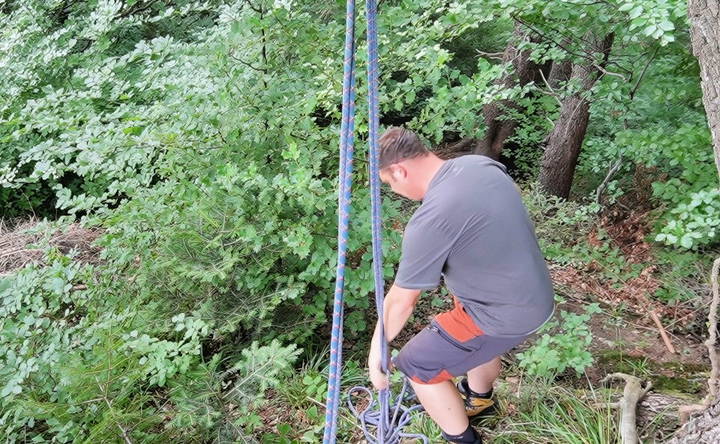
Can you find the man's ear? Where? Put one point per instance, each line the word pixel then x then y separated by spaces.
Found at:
pixel 398 173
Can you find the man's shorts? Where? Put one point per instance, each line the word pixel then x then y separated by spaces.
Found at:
pixel 450 346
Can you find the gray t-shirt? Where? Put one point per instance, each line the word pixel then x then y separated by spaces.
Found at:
pixel 472 228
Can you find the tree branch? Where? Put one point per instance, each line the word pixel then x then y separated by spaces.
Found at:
pixel 632 394
pixel 587 56
pixel 642 74
pixel 712 336
pixel 614 168
pixel 123 431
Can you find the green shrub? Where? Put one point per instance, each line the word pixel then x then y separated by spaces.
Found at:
pixel 563 345
pixel 84 354
pixel 251 248
pixel 694 222
pixel 668 148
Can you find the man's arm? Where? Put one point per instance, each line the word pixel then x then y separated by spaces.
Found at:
pixel 397 308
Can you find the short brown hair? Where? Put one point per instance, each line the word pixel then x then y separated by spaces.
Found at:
pixel 398 144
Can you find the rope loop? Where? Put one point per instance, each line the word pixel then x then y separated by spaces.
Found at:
pixel 370 417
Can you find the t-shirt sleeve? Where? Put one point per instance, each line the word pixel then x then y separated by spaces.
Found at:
pixel 424 251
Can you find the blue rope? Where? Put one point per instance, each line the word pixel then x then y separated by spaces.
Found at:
pixel 347 132
pixel 386 415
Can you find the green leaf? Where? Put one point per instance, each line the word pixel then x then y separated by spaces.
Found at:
pixel 666 25
pixel 686 241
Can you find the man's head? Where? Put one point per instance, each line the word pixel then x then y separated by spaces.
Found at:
pixel 405 163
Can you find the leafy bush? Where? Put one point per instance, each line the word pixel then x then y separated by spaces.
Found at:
pixel 694 223
pixel 559 223
pixel 84 114
pixel 82 353
pixel 670 145
pixel 564 345
pixel 251 248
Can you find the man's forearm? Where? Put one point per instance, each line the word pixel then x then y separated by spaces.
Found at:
pixel 395 316
pixel 397 308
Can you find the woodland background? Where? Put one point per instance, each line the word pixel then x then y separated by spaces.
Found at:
pixel 168 207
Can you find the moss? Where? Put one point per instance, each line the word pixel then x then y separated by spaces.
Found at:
pixel 685 367
pixel 617 361
pixel 675 384
pixel 666 376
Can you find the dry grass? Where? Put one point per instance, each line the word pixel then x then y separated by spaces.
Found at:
pixel 21 243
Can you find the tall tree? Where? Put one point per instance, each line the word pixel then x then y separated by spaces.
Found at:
pixel 705 35
pixel 500 127
pixel 565 140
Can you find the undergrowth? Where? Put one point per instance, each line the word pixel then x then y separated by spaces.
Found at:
pixel 553 414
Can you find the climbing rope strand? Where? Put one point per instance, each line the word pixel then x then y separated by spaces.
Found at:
pixel 378 412
pixel 375 199
pixel 384 429
pixel 344 193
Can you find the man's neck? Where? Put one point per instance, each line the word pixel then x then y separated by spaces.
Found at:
pixel 428 168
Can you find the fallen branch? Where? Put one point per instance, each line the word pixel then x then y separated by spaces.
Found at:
pixel 632 394
pixel 614 168
pixel 645 302
pixel 662 331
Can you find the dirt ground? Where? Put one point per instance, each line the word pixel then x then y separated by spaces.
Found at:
pixel 22 243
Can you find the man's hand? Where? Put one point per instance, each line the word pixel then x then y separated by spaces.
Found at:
pixel 398 306
pixel 379 379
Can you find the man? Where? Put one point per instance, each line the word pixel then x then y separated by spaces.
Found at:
pixel 473 230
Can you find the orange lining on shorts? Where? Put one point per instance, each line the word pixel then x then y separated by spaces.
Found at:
pixel 444 375
pixel 458 324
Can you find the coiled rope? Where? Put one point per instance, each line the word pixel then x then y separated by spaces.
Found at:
pixel 387 416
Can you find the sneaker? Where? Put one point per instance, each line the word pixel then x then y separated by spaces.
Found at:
pixel 471 436
pixel 475 406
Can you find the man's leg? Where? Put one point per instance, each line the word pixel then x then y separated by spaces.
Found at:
pixel 477 389
pixel 444 405
pixel 481 378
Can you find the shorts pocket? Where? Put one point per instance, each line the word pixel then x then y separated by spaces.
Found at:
pixel 449 338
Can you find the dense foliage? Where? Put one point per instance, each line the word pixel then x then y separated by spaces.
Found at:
pixel 201 137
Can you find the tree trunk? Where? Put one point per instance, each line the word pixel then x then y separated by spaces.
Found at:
pixel 563 145
pixel 702 429
pixel 500 128
pixel 559 72
pixel 705 35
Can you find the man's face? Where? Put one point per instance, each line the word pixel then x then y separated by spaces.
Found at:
pixel 401 181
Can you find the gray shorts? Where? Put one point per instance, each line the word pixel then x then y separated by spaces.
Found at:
pixel 434 355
